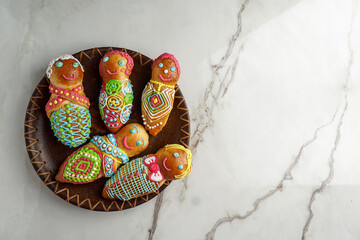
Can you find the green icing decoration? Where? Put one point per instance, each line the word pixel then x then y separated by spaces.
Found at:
pixel 83 166
pixel 76 133
pixel 129 97
pixel 113 86
pixel 101 112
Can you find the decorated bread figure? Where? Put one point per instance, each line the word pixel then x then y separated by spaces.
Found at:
pixel 147 174
pixel 158 96
pixel 116 95
pixel 102 156
pixel 68 107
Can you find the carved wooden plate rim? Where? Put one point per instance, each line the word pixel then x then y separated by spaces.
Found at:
pixel 41 164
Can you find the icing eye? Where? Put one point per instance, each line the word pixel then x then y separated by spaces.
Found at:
pixel 132 131
pixel 138 143
pixel 59 64
pixel 121 62
pixel 175 154
pixel 180 167
pixel 161 65
pixel 105 59
pixel 172 69
pixel 75 64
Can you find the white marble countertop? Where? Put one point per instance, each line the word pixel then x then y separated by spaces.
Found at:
pixel 274 98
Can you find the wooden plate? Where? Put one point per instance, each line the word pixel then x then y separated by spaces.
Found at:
pixel 46 153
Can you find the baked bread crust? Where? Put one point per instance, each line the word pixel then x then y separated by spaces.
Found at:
pixel 158 96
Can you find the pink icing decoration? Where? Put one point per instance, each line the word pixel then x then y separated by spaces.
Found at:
pixel 154 167
pixel 69 78
pixel 124 178
pixel 168 55
pixel 144 171
pixel 164 79
pixel 137 174
pixel 111 73
pixel 125 144
pixel 167 169
pixel 131 176
pixel 129 64
pixel 108 188
pixel 72 96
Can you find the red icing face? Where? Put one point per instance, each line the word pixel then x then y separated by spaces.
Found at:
pixel 165 71
pixel 113 66
pixel 133 139
pixel 66 72
pixel 172 162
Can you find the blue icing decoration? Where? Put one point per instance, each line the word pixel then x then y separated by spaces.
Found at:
pixel 172 68
pixel 121 62
pixel 132 131
pixel 108 166
pixel 176 154
pixel 59 64
pixel 161 65
pixel 110 148
pixel 138 143
pixel 133 187
pixel 180 167
pixel 72 136
pixel 75 64
pixel 105 59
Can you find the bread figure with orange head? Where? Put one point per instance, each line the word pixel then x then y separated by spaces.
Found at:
pixel 103 155
pixel 68 107
pixel 158 96
pixel 147 174
pixel 116 95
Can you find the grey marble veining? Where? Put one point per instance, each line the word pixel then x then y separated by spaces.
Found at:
pixel 273 93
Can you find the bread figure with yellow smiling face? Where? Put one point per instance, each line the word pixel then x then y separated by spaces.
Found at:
pixel 158 96
pixel 68 107
pixel 103 155
pixel 147 174
pixel 116 95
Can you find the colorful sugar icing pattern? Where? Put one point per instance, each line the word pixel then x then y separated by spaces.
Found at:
pixel 157 104
pixel 115 109
pixel 71 125
pixel 83 166
pixel 130 181
pixel 110 148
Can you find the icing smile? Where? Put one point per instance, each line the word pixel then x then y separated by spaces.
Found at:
pixel 167 169
pixel 164 79
pixel 125 144
pixel 111 73
pixel 69 78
